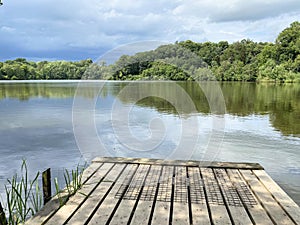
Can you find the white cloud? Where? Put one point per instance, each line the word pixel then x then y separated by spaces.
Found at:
pixel 7 29
pixel 235 10
pixel 43 27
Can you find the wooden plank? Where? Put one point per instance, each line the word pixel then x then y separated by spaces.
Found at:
pixel 219 214
pixel 47 211
pixel 89 172
pixel 143 210
pixel 256 211
pixel 200 213
pixel 162 206
pixel 124 210
pixel 167 192
pixel 284 200
pixel 180 205
pixel 54 204
pixel 74 202
pixel 232 199
pixel 106 208
pixel 204 164
pixel 235 165
pixel 272 207
pixel 91 203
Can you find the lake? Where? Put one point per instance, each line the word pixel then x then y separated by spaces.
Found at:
pixel 60 124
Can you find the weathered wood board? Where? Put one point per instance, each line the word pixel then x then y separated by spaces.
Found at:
pixel 149 191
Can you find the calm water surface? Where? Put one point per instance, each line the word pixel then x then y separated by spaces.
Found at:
pixel 261 124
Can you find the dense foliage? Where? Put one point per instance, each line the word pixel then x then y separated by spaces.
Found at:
pixel 244 60
pixel 20 69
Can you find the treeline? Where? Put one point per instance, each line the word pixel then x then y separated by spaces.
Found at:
pixel 250 61
pixel 244 60
pixel 240 61
pixel 21 69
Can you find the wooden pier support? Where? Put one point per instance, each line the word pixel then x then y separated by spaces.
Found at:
pixel 46 178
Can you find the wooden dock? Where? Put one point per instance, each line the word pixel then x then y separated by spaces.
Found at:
pixel 148 191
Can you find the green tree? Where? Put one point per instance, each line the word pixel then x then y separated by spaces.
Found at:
pixel 288 42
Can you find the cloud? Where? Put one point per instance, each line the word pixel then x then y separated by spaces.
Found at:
pixel 235 10
pixel 81 29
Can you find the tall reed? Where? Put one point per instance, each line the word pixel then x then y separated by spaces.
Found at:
pixel 73 182
pixel 23 196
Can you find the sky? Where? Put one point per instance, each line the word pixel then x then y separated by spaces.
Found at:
pixel 74 30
